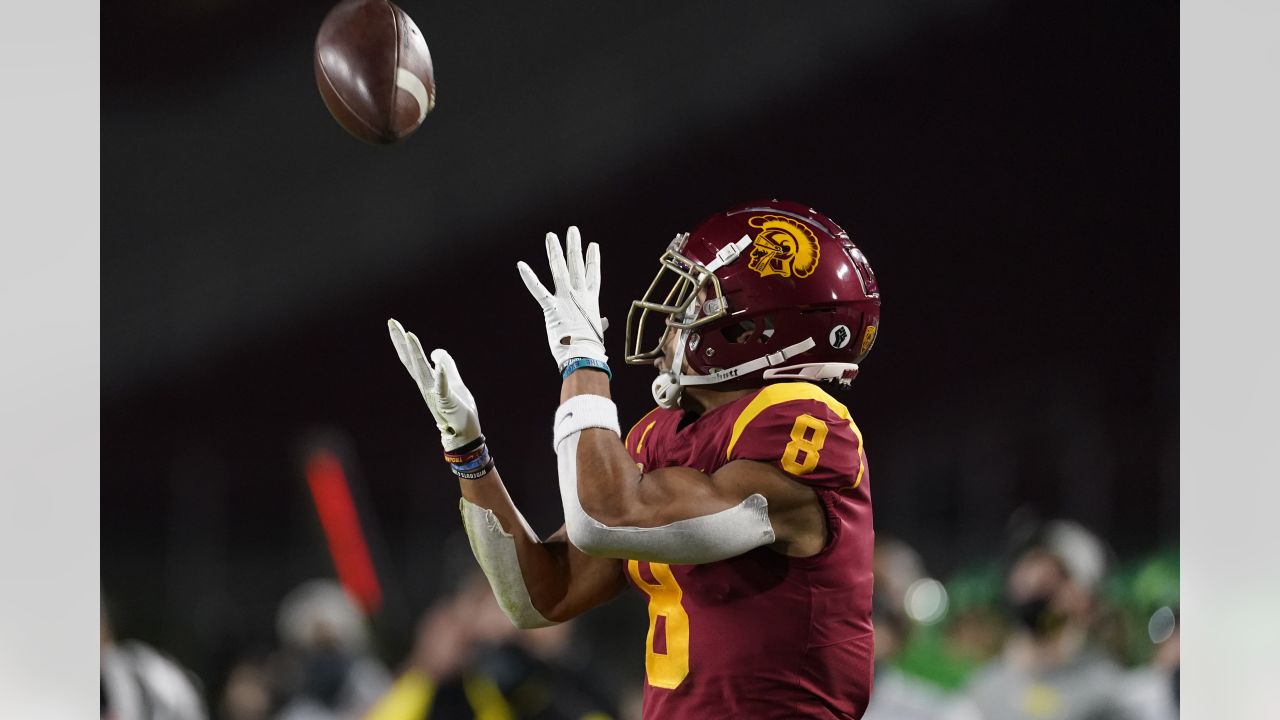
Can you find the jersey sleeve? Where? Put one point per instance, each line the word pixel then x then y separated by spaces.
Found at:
pixel 637 439
pixel 800 429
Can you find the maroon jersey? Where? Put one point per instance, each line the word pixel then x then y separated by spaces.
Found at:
pixel 763 635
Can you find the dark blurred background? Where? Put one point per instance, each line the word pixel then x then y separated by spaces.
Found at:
pixel 1010 169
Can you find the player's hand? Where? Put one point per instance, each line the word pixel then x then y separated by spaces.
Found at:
pixel 572 313
pixel 441 386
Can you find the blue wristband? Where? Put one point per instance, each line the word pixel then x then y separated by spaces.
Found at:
pixel 473 465
pixel 477 466
pixel 579 363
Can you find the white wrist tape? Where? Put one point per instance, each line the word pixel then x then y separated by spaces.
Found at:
pixel 495 550
pixel 702 539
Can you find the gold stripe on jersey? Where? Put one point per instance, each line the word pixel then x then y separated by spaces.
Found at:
pixel 635 427
pixel 645 434
pixel 785 392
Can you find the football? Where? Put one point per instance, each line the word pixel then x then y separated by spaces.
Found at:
pixel 374 71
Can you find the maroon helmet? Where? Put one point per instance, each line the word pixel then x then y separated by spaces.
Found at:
pixel 767 290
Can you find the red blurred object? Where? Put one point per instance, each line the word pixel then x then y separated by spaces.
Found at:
pixel 341 522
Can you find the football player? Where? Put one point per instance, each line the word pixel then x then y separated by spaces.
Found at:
pixel 740 505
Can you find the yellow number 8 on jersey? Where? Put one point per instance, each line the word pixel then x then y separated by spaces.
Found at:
pixel 803 441
pixel 665 670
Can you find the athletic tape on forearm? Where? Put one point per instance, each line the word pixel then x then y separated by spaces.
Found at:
pixel 495 550
pixel 702 539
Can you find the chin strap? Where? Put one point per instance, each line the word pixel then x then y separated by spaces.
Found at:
pixel 666 391
pixel 727 254
pixel 764 361
pixel 668 387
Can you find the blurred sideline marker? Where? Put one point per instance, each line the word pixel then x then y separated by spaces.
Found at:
pixel 332 496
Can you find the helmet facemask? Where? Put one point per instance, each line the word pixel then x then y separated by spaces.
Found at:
pixel 685 292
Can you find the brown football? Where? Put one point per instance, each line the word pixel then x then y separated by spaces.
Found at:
pixel 374 70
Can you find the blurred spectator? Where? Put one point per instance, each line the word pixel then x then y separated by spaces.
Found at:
pixel 329 672
pixel 249 693
pixel 469 661
pixel 976 628
pixel 1155 594
pixel 140 683
pixel 1049 668
pixel 897 695
pixel 1151 692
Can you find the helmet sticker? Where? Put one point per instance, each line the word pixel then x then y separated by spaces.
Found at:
pixel 868 338
pixel 840 336
pixel 783 247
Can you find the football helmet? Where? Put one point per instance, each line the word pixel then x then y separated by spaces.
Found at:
pixel 764 291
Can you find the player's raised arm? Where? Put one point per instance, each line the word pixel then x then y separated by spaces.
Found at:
pixel 681 514
pixel 537 583
pixel 612 508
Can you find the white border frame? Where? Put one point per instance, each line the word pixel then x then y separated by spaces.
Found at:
pixel 1229 361
pixel 49 312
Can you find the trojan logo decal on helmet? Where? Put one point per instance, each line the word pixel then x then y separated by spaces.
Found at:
pixel 783 247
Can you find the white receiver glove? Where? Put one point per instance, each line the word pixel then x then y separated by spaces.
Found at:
pixel 574 326
pixel 441 386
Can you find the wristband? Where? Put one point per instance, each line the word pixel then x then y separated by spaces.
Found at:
pixel 472 465
pixel 463 459
pixel 578 363
pixel 467 452
pixel 581 412
pixel 471 460
pixel 488 467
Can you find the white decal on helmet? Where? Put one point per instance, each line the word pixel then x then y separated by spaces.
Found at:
pixel 840 337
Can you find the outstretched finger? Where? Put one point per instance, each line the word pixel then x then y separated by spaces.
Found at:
pixel 421 369
pixel 409 357
pixel 396 330
pixel 593 268
pixel 559 268
pixel 449 369
pixel 441 387
pixel 444 397
pixel 573 254
pixel 536 289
